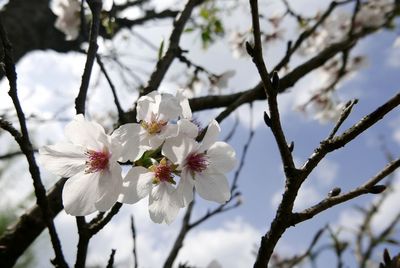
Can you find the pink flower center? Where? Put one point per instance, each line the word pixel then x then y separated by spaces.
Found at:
pixel 197 162
pixel 163 172
pixel 96 161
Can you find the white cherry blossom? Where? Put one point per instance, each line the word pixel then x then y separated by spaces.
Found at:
pixel 68 17
pixel 154 112
pixel 202 165
pixel 221 81
pixel 157 183
pixel 89 160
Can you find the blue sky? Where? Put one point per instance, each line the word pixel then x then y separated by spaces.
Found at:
pixel 53 86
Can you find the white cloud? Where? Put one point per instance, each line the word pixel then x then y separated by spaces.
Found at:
pixel 307 196
pixel 326 172
pixel 234 238
pixel 388 210
pixel 393 57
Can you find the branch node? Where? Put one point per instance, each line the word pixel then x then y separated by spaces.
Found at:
pixel 291 146
pixel 250 49
pixel 275 81
pixel 267 119
pixel 377 189
pixel 334 192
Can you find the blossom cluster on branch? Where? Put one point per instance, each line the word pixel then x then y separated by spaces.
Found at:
pixel 68 14
pixel 169 161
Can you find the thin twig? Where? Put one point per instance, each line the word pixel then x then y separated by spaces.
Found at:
pixel 350 134
pixel 110 263
pixel 97 226
pixel 133 230
pixel 331 201
pixel 80 101
pixel 343 116
pixel 120 111
pixel 164 63
pixel 181 236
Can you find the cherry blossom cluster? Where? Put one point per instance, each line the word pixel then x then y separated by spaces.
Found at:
pixel 372 14
pixel 169 161
pixel 68 14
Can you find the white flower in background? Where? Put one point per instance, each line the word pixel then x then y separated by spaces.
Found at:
pixel 326 110
pixel 155 182
pixel 154 112
pixel 68 17
pixel 374 13
pixel 237 42
pixel 89 160
pixel 333 30
pixel 182 97
pixel 202 165
pixel 221 81
pixel 107 5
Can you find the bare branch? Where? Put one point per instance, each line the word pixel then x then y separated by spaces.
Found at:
pixel 330 145
pixel 110 263
pixel 335 200
pixel 80 101
pixel 121 114
pixel 133 230
pixel 343 116
pixel 164 63
pixel 181 236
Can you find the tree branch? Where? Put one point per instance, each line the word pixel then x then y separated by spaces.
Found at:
pixel 335 200
pixel 24 143
pixel 164 63
pixel 95 7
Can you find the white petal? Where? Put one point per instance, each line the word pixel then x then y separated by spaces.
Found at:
pixel 212 186
pixel 146 105
pixel 169 108
pixel 163 203
pixel 129 136
pixel 222 157
pixel 178 148
pixel 185 188
pixel 88 134
pixel 184 102
pixel 137 184
pixel 169 131
pixel 107 5
pixel 80 194
pixel 187 128
pixel 211 136
pixel 155 141
pixel 63 159
pixel 109 187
